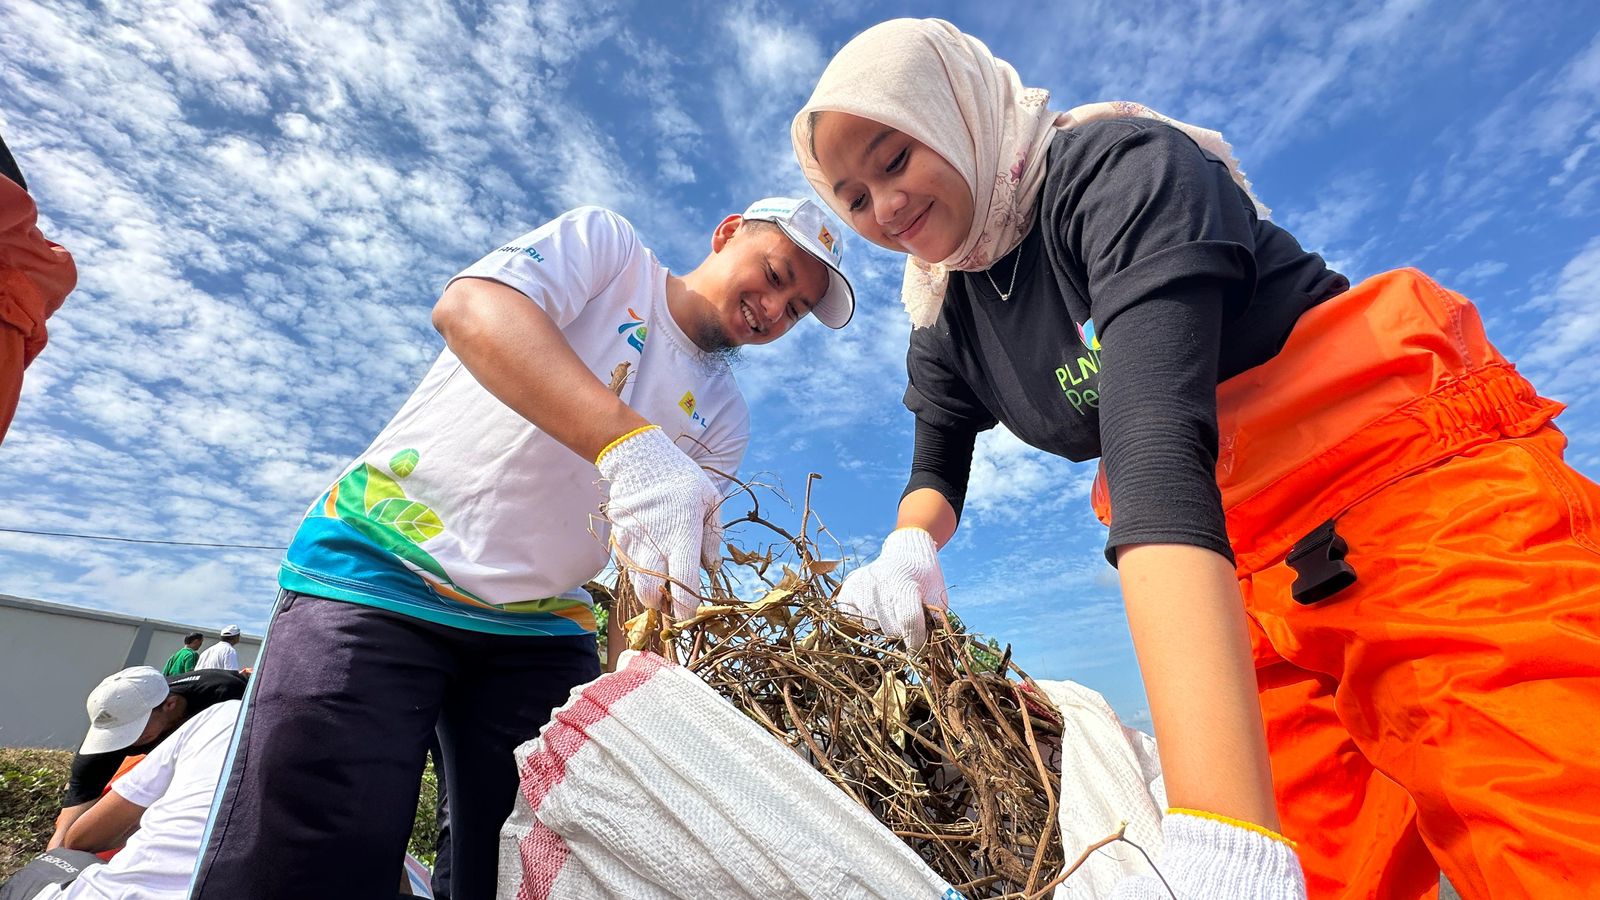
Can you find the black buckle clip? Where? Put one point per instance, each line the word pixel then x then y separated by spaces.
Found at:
pixel 1319 566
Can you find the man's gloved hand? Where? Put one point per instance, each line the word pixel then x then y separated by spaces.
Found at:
pixel 890 591
pixel 662 509
pixel 1212 857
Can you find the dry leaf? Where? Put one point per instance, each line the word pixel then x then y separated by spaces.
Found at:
pixel 890 702
pixel 619 377
pixel 742 557
pixel 791 580
pixel 962 764
pixel 774 607
pixel 641 627
pixel 703 613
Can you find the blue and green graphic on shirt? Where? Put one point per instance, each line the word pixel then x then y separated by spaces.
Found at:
pixel 635 329
pixel 362 543
pixel 375 505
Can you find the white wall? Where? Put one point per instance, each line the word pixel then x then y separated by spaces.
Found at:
pixel 52 656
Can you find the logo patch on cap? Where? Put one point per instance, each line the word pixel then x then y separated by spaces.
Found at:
pixel 826 238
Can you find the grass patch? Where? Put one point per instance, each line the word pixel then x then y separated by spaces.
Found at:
pixel 425 829
pixel 32 783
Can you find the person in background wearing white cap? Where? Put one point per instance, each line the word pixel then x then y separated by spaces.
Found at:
pixel 439 579
pixel 158 808
pixel 221 655
pixel 130 713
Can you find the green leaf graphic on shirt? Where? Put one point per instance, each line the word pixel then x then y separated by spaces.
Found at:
pixel 393 541
pixel 380 487
pixel 352 488
pixel 376 507
pixel 404 462
pixel 359 494
pixel 412 519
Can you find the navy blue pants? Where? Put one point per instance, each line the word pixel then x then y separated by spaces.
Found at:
pixel 328 762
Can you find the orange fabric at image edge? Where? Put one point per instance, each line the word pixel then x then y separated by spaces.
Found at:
pixel 1443 711
pixel 11 356
pixel 36 274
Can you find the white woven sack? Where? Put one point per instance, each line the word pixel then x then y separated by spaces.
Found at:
pixel 647 784
pixel 1110 774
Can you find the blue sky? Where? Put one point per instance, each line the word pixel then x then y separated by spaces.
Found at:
pixel 264 200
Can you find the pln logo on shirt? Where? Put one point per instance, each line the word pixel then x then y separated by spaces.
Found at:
pixel 1087 335
pixel 635 329
pixel 687 404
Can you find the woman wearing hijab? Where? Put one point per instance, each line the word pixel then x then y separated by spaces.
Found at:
pixel 1344 530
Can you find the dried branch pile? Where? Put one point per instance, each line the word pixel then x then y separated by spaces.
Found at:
pixel 952 747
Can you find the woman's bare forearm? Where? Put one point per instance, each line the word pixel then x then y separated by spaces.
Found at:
pixel 928 509
pixel 1189 630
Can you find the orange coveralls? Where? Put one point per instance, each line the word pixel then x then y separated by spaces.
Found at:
pixel 1443 711
pixel 36 275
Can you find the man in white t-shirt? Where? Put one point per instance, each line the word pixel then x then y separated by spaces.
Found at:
pixel 222 654
pixel 166 797
pixel 439 579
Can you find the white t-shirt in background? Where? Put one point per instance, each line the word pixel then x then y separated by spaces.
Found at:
pixel 220 655
pixel 175 784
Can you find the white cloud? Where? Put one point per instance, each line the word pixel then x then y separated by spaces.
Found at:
pixel 776 60
pixel 1480 271
pixel 262 203
pixel 1339 225
pixel 1561 362
pixel 204 592
pixel 1013 482
pixel 1545 126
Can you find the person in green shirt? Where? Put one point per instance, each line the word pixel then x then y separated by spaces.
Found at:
pixel 183 661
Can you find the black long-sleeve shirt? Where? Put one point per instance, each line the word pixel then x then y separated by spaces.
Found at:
pixel 1146 280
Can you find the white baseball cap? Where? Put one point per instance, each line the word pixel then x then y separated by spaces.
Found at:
pixel 807 225
pixel 229 631
pixel 120 707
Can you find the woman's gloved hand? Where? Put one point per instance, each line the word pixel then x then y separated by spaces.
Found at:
pixel 1210 857
pixel 889 593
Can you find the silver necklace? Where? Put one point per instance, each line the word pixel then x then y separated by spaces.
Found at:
pixel 1005 294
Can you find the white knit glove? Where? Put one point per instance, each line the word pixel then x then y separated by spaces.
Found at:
pixel 1209 859
pixel 662 509
pixel 890 591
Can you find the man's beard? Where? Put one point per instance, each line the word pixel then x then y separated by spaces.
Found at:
pixel 713 341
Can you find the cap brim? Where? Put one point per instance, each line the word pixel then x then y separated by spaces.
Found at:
pixel 838 306
pixel 104 740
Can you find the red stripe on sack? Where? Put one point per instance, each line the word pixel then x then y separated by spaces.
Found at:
pixel 542 851
pixel 543 854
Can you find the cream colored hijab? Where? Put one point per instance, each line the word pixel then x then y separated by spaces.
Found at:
pixel 924 78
